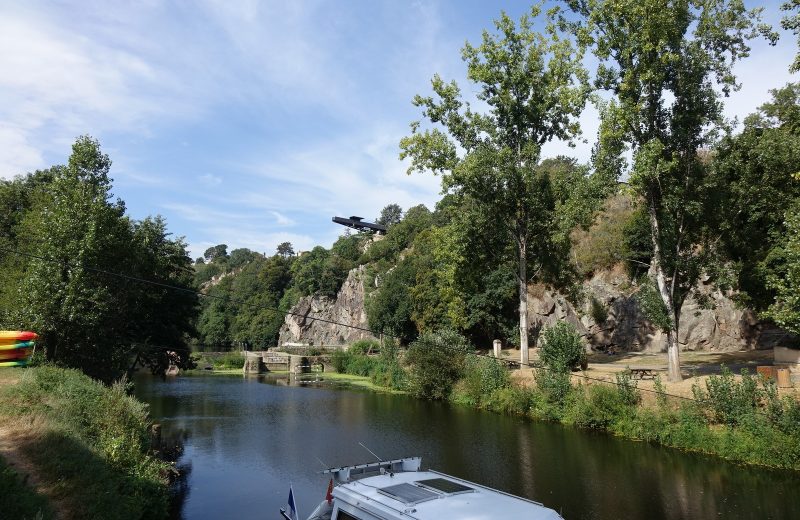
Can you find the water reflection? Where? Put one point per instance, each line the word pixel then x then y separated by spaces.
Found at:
pixel 248 438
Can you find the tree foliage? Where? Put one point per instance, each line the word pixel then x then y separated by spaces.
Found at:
pixel 666 67
pixel 76 234
pixel 535 87
pixel 391 214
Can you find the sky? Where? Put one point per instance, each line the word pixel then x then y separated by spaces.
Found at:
pixel 250 123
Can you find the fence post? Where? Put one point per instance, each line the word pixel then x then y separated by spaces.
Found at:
pixel 497 345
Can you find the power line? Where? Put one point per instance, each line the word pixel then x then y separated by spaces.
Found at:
pixel 188 290
pixel 323 320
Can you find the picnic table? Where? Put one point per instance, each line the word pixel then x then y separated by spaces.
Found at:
pixel 645 372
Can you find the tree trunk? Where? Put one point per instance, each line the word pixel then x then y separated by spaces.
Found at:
pixel 673 352
pixel 523 301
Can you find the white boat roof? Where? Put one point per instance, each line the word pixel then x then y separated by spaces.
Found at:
pixel 430 495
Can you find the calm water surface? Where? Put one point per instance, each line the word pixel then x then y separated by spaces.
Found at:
pixel 247 439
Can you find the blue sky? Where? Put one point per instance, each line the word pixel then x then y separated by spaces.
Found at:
pixel 250 123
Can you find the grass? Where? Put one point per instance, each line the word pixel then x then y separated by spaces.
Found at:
pixel 19 500
pixel 88 443
pixel 225 361
pixel 358 381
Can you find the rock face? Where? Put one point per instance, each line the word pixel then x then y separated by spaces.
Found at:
pixel 709 320
pixel 347 308
pixel 716 324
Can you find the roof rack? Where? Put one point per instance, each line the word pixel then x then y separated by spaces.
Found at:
pixel 358 471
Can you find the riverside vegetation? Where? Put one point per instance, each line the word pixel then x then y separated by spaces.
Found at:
pixel 739 419
pixel 705 201
pixel 90 445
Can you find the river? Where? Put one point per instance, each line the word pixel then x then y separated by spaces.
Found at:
pixel 246 439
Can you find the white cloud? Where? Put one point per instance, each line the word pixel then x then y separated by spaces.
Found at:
pixel 281 219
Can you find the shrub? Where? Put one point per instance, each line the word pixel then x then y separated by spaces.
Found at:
pixel 598 311
pixel 596 407
pixel 92 444
pixel 436 362
pixel 627 389
pixel 482 376
pixel 513 400
pixel 562 349
pixel 363 346
pixel 229 360
pixel 555 387
pixel 339 361
pixel 730 401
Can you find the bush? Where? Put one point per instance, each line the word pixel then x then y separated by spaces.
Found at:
pixel 436 362
pixel 627 389
pixel 92 444
pixel 555 387
pixel 730 402
pixel 597 311
pixel 229 360
pixel 597 407
pixel 483 376
pixel 562 349
pixel 363 346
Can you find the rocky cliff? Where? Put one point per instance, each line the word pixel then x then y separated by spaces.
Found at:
pixel 348 309
pixel 716 324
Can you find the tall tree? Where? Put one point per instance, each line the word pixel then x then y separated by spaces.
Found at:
pixel 535 88
pixel 216 253
pixel 285 249
pixel 77 235
pixel 785 280
pixel 390 215
pixel 754 175
pixel 666 64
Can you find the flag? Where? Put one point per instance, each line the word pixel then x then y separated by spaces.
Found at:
pixel 292 506
pixel 329 494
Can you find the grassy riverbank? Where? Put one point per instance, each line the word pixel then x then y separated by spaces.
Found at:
pixel 736 417
pixel 85 444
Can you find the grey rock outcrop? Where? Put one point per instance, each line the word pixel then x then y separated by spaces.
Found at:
pixel 315 319
pixel 710 320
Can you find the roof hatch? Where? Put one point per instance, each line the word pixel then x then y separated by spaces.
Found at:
pixel 445 486
pixel 408 494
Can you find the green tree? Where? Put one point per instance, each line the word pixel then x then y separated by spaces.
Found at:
pixel 389 310
pixel 791 22
pixel 535 87
pixel 240 257
pixel 436 361
pixel 74 223
pixel 160 319
pixel 390 215
pixel 78 236
pixel 666 66
pixel 285 249
pixel 785 281
pixel 218 252
pixel 754 175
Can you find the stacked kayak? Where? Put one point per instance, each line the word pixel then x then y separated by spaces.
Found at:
pixel 16 347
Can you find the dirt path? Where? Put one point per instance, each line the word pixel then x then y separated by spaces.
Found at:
pixel 13 435
pixel 696 367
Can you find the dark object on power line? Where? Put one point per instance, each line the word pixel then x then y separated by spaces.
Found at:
pixel 359 224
